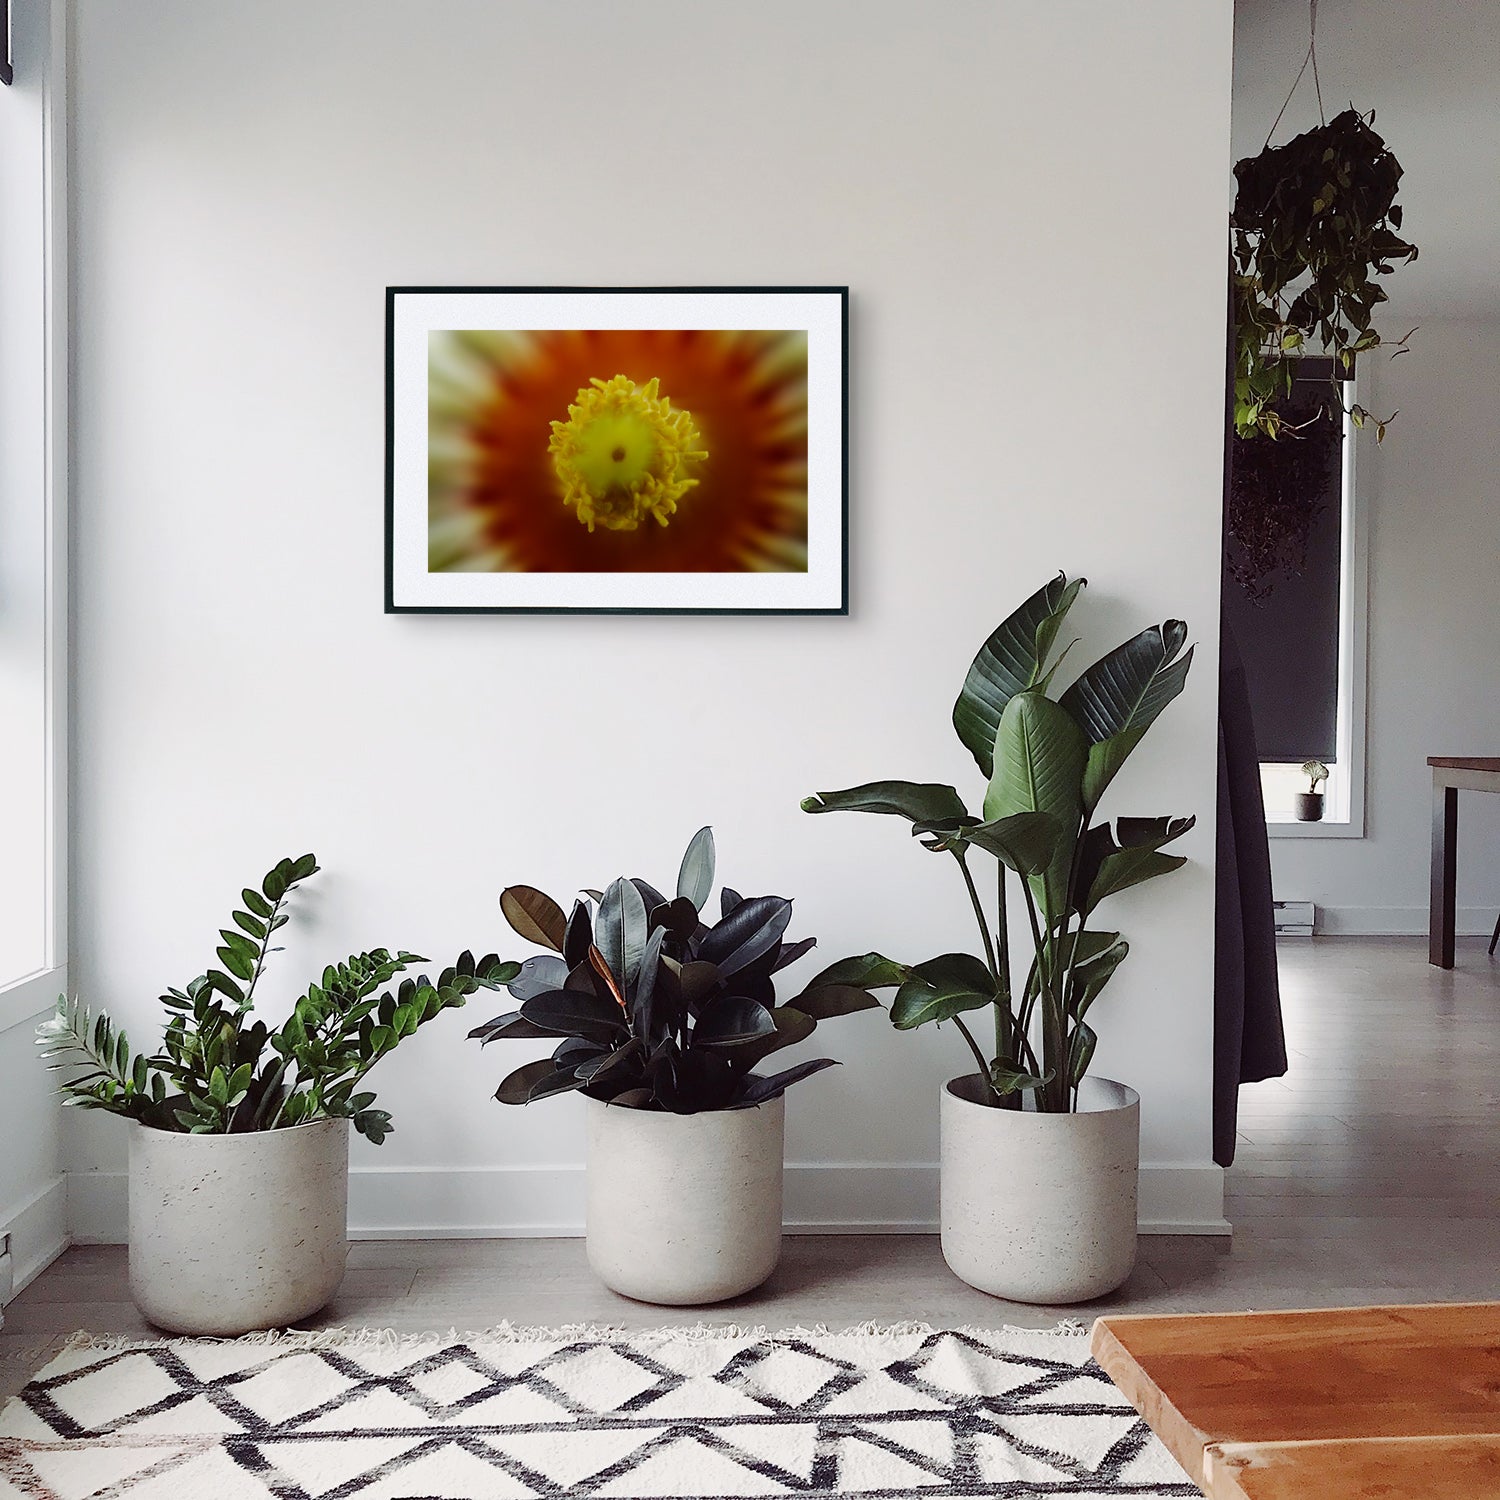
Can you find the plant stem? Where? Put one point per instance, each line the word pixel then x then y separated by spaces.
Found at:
pixel 984 930
pixel 984 1067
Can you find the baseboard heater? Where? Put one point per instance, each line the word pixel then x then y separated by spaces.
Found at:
pixel 1295 918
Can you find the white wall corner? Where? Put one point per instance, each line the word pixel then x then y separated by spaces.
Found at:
pixel 542 1202
pixel 38 1230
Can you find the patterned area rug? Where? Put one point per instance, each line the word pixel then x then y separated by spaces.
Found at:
pixel 875 1412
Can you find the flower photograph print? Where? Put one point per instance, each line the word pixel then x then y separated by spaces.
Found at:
pixel 674 450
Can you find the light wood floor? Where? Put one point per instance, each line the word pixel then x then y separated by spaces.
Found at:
pixel 1370 1173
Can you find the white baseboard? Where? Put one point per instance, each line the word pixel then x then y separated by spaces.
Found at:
pixel 538 1202
pixel 38 1229
pixel 1399 921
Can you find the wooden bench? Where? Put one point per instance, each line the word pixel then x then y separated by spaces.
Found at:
pixel 1340 1404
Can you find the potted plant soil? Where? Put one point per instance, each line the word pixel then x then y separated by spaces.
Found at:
pixel 239 1135
pixel 1308 805
pixel 663 1019
pixel 1040 1161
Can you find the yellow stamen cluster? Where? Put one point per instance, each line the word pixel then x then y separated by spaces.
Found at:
pixel 623 453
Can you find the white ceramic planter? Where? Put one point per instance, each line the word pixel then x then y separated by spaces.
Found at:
pixel 230 1233
pixel 684 1209
pixel 1041 1207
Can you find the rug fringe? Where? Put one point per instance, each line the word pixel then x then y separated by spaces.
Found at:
pixel 291 1339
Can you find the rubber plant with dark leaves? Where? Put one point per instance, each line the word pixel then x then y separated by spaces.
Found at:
pixel 1048 762
pixel 221 1071
pixel 656 1009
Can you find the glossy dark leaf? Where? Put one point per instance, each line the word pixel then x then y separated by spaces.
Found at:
pixel 547 971
pixel 792 1026
pixel 746 933
pixel 643 995
pixel 695 878
pixel 698 981
pixel 516 1089
pixel 564 1081
pixel 621 931
pixel 535 916
pixel 679 917
pixel 918 801
pixel 757 1090
pixel 650 896
pixel 789 953
pixel 512 1026
pixel 728 900
pixel 729 1020
pixel 578 935
pixel 1013 660
pixel 573 1013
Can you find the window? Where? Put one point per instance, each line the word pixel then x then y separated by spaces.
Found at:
pixel 1295 596
pixel 33 546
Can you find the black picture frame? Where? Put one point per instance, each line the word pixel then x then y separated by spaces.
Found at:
pixel 826 588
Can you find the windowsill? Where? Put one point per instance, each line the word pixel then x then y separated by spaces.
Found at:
pixel 1326 828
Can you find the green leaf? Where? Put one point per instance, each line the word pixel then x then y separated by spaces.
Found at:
pixel 1025 842
pixel 252 925
pixel 1039 763
pixel 256 902
pixel 695 878
pixel 1005 1078
pixel 1114 859
pixel 1011 661
pixel 1118 699
pixel 1080 1052
pixel 537 917
pixel 921 802
pixel 940 989
pixel 869 971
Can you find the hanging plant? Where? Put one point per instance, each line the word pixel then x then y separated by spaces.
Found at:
pixel 1314 225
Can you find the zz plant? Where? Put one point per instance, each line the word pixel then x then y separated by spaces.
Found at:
pixel 1047 762
pixel 222 1072
pixel 656 1009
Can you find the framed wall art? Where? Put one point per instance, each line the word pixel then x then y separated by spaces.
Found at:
pixel 665 450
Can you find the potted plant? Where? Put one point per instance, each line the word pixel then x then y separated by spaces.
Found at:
pixel 1309 804
pixel 239 1135
pixel 1039 1160
pixel 663 1019
pixel 1314 224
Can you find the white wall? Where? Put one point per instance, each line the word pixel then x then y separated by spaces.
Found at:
pixel 1028 203
pixel 1434 667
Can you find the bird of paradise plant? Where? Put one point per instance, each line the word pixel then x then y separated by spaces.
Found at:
pixel 1048 762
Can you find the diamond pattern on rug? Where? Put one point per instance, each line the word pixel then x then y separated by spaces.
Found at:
pixel 682 1414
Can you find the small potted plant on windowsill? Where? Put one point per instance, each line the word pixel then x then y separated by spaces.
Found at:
pixel 1039 1161
pixel 662 1020
pixel 239 1135
pixel 1309 804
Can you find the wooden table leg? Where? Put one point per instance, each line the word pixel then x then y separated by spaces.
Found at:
pixel 1443 899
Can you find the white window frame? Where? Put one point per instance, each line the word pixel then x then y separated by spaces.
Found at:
pixel 1344 792
pixel 29 995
